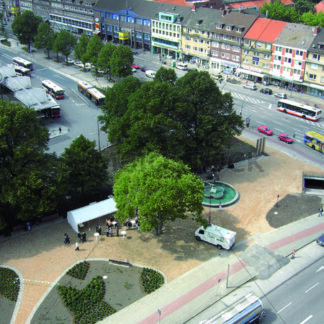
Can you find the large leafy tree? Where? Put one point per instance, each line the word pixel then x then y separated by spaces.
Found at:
pixel 25 27
pixel 81 47
pixel 45 37
pixel 311 19
pixel 104 56
pixel 161 189
pixel 121 61
pixel 83 168
pixel 93 48
pixel 27 180
pixel 64 43
pixel 167 75
pixel 277 10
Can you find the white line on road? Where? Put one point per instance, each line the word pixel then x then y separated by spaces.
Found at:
pixel 320 268
pixel 283 308
pixel 307 319
pixel 309 289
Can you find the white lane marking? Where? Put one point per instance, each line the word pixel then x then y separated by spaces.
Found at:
pixel 307 319
pixel 320 268
pixel 283 308
pixel 310 288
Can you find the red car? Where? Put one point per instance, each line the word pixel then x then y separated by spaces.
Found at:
pixel 135 66
pixel 285 138
pixel 265 130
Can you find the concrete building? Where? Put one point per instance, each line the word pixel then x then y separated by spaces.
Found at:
pixel 314 68
pixel 257 48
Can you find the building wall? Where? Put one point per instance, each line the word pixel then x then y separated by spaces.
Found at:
pixel 314 68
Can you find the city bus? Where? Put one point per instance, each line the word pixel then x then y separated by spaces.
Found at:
pixel 299 109
pixel 21 71
pixel 22 62
pixel 315 141
pixel 91 92
pixel 53 89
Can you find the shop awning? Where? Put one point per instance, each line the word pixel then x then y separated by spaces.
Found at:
pixel 315 86
pixel 257 74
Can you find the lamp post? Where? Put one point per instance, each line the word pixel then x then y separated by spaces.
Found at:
pixel 98 128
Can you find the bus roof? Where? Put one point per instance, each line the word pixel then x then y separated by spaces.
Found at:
pixel 20 59
pixel 316 135
pixel 51 84
pixel 21 68
pixel 85 85
pixel 302 105
pixel 96 93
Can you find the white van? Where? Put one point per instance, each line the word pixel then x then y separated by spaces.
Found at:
pixel 216 235
pixel 182 66
pixel 150 73
pixel 250 86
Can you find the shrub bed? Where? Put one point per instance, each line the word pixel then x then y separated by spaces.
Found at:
pixel 9 284
pixel 151 280
pixel 87 305
pixel 80 270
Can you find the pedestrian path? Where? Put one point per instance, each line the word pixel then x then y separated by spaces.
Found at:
pixel 246 98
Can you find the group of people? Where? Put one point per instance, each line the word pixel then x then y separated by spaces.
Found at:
pixel 68 241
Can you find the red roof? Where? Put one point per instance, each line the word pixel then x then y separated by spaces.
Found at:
pixel 319 7
pixel 256 3
pixel 175 2
pixel 265 30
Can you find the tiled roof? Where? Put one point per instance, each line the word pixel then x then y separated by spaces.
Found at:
pixel 203 19
pixel 265 30
pixel 319 7
pixel 237 19
pixel 318 43
pixel 256 3
pixel 296 36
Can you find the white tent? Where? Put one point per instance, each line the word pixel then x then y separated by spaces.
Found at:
pixel 92 211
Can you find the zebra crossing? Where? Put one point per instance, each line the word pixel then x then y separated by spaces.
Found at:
pixel 247 98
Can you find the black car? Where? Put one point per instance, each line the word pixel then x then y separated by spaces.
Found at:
pixel 266 91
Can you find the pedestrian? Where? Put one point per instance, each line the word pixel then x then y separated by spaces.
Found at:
pixel 110 231
pixel 220 206
pixel 320 212
pixel 293 254
pixel 79 236
pixel 277 197
pixel 77 246
pixel 117 230
pixel 107 230
pixel 60 130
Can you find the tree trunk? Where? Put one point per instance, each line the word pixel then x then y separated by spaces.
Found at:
pixel 158 228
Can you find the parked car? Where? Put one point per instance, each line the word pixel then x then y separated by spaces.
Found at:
pixel 320 240
pixel 150 73
pixel 134 70
pixel 266 91
pixel 69 61
pixel 78 64
pixel 265 130
pixel 135 66
pixel 143 69
pixel 250 86
pixel 281 95
pixel 182 66
pixel 285 138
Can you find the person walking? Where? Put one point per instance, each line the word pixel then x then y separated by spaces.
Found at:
pixel 77 246
pixel 320 212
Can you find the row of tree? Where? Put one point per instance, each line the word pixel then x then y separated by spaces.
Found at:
pixel 34 182
pixel 302 12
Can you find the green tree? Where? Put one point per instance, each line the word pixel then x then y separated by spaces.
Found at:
pixel 167 75
pixel 161 189
pixel 64 43
pixel 121 61
pixel 45 37
pixel 277 10
pixel 93 48
pixel 25 27
pixel 27 172
pixel 311 19
pixel 303 6
pixel 81 48
pixel 104 56
pixel 83 168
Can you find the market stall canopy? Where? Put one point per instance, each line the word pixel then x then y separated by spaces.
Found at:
pixel 90 212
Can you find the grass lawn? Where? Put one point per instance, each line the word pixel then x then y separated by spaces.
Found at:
pixel 122 285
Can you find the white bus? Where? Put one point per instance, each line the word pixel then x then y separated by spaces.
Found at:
pixel 53 89
pixel 22 71
pixel 91 92
pixel 22 62
pixel 299 109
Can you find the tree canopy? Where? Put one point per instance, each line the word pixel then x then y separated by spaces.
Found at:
pixel 45 37
pixel 160 189
pixel 190 120
pixel 93 48
pixel 121 61
pixel 25 26
pixel 81 47
pixel 64 43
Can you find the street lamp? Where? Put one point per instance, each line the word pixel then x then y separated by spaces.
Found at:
pixel 98 128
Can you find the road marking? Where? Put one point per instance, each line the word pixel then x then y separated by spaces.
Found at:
pixel 283 308
pixel 320 268
pixel 309 289
pixel 307 319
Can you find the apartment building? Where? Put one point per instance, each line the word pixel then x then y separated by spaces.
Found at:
pixel 196 35
pixel 257 49
pixel 314 68
pixel 289 53
pixel 227 41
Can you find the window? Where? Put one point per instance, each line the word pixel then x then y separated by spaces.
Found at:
pixel 254 62
pixel 256 54
pixel 268 46
pixel 296 71
pixel 247 42
pixel 266 56
pixel 278 49
pixel 287 60
pixel 195 48
pixel 195 39
pixel 265 65
pixel 289 50
pixel 322 79
pixel 188 38
pixel 316 57
pixel 258 44
pixel 312 76
pixel 300 53
pixel 229 28
pixel 314 66
pixel 235 48
pixel 245 51
pixel 188 47
pixel 245 60
pixel 214 53
pixel 278 58
pixel 236 58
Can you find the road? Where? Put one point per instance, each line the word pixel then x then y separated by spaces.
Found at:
pixel 298 300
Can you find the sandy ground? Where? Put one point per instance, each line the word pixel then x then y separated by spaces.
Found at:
pixel 41 257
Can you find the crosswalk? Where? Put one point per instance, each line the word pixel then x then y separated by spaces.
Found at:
pixel 247 98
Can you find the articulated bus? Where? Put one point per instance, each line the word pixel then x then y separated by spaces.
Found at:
pixel 22 62
pixel 53 89
pixel 91 92
pixel 21 71
pixel 299 109
pixel 315 141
